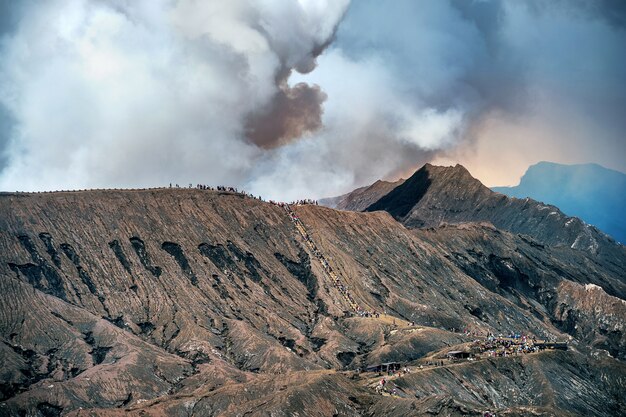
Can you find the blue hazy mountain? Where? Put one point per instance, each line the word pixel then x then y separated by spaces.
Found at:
pixel 591 192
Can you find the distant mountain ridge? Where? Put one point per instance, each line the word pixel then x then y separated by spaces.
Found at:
pixel 591 192
pixel 436 195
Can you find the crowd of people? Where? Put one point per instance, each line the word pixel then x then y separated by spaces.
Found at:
pixel 304 202
pixel 294 203
pixel 222 188
pixel 497 346
pixel 343 289
pixel 335 279
pixel 433 363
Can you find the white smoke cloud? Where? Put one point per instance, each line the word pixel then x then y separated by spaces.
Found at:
pixel 495 84
pixel 370 130
pixel 383 78
pixel 125 93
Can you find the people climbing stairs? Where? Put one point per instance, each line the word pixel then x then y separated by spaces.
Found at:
pixel 335 278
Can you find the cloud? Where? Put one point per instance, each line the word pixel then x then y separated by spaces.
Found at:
pixel 304 99
pixel 367 134
pixel 496 85
pixel 117 93
pixel 569 83
pixel 393 100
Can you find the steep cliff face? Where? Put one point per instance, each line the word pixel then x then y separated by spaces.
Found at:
pixel 189 302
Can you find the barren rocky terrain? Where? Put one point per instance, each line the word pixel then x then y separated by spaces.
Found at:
pixel 184 302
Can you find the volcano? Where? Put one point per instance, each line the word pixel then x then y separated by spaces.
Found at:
pixel 189 302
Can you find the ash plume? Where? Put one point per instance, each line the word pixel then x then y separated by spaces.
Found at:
pixel 292 112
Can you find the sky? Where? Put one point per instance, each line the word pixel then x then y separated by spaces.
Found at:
pixel 303 98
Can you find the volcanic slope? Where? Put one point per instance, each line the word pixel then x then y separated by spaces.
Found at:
pixel 190 302
pixel 361 198
pixel 434 195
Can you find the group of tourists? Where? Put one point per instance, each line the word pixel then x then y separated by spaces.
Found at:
pixel 502 347
pixel 228 189
pixel 218 188
pixel 304 202
pixel 295 203
pixel 224 188
pixel 340 286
